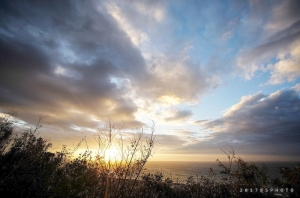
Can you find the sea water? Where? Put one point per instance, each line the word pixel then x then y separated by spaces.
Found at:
pixel 179 171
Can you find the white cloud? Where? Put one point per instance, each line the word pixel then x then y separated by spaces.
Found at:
pixel 176 79
pixel 226 35
pixel 245 102
pixel 136 35
pixel 154 11
pixel 276 49
pixel 287 68
pixel 280 58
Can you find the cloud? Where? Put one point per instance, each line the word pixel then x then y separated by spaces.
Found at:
pixel 260 122
pixel 181 141
pixel 286 69
pixel 53 63
pixel 283 15
pixel 78 62
pixel 276 48
pixel 136 36
pixel 200 121
pixel 284 51
pixel 178 115
pixel 178 78
pixel 82 63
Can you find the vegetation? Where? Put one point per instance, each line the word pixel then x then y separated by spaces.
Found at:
pixel 28 169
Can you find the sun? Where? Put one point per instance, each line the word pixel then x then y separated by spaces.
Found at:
pixel 112 154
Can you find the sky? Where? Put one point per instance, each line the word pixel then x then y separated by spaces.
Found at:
pixel 208 74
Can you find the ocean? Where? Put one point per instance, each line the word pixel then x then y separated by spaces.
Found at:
pixel 181 170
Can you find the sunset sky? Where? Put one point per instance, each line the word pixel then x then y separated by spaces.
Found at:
pixel 209 74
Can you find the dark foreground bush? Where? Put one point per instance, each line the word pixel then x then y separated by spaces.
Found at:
pixel 28 169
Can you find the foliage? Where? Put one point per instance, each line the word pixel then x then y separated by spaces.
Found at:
pixel 28 169
pixel 291 179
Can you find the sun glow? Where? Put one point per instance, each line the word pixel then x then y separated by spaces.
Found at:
pixel 112 154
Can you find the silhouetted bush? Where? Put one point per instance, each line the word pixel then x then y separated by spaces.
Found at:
pixel 291 179
pixel 28 169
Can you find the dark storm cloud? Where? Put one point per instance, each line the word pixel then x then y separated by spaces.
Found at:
pixel 261 122
pixel 59 57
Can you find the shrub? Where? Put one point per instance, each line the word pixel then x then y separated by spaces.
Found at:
pixel 291 179
pixel 28 169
